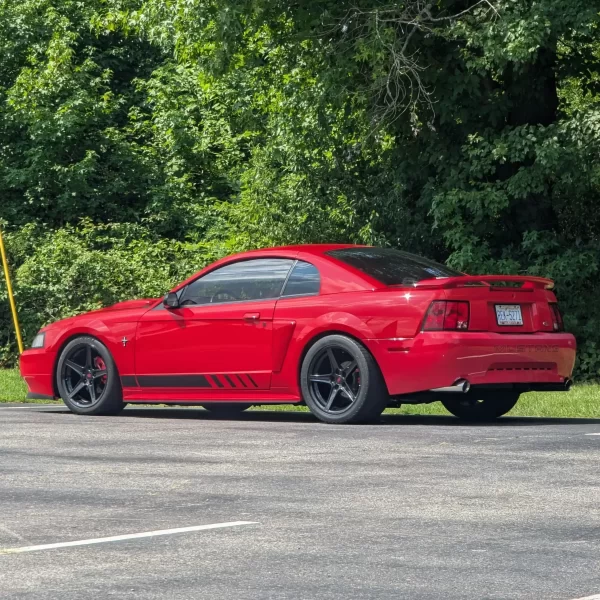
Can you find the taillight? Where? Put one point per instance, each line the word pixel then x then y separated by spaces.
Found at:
pixel 447 315
pixel 557 317
pixel 434 321
pixel 457 315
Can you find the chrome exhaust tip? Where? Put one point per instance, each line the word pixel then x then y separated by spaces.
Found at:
pixel 461 386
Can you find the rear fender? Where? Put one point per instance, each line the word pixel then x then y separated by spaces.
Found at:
pixel 306 332
pixel 340 322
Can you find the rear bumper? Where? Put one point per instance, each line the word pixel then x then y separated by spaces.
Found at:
pixel 438 359
pixel 36 369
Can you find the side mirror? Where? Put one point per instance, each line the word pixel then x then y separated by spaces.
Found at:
pixel 171 300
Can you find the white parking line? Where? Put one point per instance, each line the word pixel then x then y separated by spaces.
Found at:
pixel 120 538
pixel 596 597
pixel 35 408
pixel 592 434
pixel 29 407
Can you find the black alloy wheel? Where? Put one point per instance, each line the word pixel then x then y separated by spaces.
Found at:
pixel 84 376
pixel 87 378
pixel 334 377
pixel 341 383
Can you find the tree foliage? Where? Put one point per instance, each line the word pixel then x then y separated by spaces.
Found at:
pixel 141 139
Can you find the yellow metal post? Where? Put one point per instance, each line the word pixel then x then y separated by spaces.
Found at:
pixel 11 297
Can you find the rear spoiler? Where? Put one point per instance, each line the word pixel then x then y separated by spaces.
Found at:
pixel 529 282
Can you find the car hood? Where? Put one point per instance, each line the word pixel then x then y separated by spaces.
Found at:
pixel 128 304
pixel 141 306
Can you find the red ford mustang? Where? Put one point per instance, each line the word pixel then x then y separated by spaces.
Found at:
pixel 348 330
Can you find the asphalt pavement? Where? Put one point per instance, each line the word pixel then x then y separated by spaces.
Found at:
pixel 416 508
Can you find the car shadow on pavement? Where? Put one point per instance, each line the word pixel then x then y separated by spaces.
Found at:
pixel 273 416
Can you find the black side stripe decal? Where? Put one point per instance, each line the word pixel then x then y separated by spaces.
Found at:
pixel 129 381
pixel 216 380
pixel 177 381
pixel 184 381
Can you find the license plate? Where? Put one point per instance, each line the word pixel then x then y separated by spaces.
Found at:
pixel 509 314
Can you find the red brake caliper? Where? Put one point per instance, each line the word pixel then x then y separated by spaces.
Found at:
pixel 101 366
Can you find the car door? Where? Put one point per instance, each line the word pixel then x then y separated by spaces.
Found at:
pixel 220 338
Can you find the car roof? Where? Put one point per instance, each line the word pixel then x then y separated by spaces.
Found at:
pixel 316 249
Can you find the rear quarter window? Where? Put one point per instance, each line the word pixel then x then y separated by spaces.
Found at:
pixel 304 280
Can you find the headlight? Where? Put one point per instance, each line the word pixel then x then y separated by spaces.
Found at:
pixel 39 340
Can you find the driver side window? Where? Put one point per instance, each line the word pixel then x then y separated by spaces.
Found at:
pixel 246 280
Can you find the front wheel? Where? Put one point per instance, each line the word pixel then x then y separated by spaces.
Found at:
pixel 341 382
pixel 480 406
pixel 87 378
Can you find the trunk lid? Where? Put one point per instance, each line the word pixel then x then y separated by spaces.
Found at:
pixel 502 304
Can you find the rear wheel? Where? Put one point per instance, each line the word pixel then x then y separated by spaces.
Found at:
pixel 226 409
pixel 341 382
pixel 87 378
pixel 481 406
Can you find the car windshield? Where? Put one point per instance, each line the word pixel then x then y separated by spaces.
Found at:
pixel 392 267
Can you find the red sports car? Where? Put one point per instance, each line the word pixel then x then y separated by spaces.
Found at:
pixel 348 330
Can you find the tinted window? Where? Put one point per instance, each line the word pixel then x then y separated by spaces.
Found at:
pixel 392 267
pixel 304 279
pixel 245 280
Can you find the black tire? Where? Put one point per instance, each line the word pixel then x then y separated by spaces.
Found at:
pixel 226 409
pixel 87 378
pixel 480 406
pixel 355 389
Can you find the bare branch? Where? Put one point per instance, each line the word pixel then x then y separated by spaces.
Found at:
pixel 393 28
